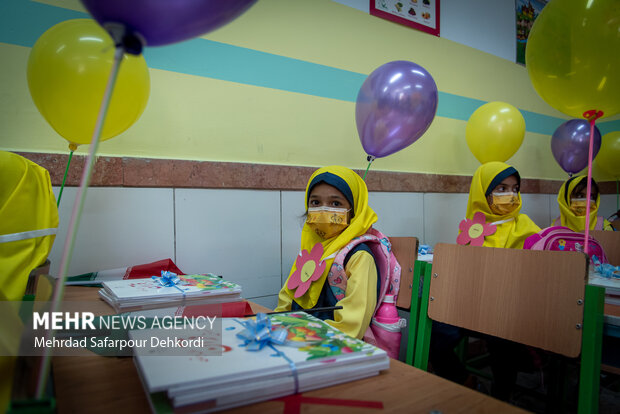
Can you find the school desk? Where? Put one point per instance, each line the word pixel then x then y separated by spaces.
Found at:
pixel 111 385
pixel 612 319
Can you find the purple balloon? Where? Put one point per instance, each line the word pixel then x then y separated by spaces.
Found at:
pixel 160 22
pixel 570 145
pixel 395 106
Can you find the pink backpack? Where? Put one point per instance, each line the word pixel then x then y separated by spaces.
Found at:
pixel 560 238
pixel 389 272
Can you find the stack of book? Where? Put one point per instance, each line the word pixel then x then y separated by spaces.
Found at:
pixel 137 294
pixel 611 285
pixel 313 355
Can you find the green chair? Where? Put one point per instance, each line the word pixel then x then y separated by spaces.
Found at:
pixel 419 270
pixel 537 298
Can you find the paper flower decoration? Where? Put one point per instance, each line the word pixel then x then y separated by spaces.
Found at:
pixel 474 230
pixel 308 268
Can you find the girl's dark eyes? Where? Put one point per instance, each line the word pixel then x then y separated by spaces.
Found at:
pixel 504 189
pixel 315 203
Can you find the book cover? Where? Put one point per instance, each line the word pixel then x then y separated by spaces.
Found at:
pixel 311 344
pixel 189 285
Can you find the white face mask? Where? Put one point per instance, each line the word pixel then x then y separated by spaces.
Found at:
pixel 327 222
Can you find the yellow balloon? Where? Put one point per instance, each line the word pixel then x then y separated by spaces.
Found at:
pixel 68 69
pixel 495 131
pixel 573 56
pixel 608 157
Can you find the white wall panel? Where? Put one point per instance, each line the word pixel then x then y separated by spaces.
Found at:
pixel 536 207
pixel 233 233
pixel 293 208
pixel 609 205
pixel 400 214
pixel 119 227
pixel 442 215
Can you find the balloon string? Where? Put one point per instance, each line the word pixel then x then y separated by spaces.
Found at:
pixel 589 188
pixel 617 196
pixel 76 214
pixel 370 159
pixel 591 115
pixel 64 178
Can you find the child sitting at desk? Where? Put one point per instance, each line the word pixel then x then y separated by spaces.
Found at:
pixel 572 200
pixel 336 191
pixel 494 191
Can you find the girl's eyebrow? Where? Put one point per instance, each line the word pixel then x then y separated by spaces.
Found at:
pixel 331 196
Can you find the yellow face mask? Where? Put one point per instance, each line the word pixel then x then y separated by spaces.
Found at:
pixel 578 206
pixel 327 222
pixel 503 203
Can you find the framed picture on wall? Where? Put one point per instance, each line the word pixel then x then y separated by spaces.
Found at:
pixel 526 13
pixel 419 14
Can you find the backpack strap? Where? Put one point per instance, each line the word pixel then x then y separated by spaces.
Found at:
pixel 381 248
pixel 600 222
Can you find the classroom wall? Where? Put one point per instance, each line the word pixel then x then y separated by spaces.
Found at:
pixel 278 86
pixel 470 22
pixel 247 236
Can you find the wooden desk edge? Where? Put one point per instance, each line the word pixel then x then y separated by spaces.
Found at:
pixel 78 390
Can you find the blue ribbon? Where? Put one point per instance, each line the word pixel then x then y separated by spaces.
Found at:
pixel 168 279
pixel 425 249
pixel 258 334
pixel 605 270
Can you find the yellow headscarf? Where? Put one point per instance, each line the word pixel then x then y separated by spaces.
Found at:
pixel 362 220
pixel 568 218
pixel 511 233
pixel 27 204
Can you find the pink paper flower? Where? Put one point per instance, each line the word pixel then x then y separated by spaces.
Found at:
pixel 474 230
pixel 308 268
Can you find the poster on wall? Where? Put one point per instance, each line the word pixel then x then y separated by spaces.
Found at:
pixel 527 12
pixel 418 14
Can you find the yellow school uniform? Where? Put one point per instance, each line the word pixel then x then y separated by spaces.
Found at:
pixel 512 228
pixel 361 292
pixel 28 222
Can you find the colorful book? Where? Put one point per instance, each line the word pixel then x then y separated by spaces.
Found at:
pixel 322 356
pixel 136 294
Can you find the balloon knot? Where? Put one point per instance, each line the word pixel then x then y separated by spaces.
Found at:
pixel 131 42
pixel 370 158
pixel 592 115
pixel 72 146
